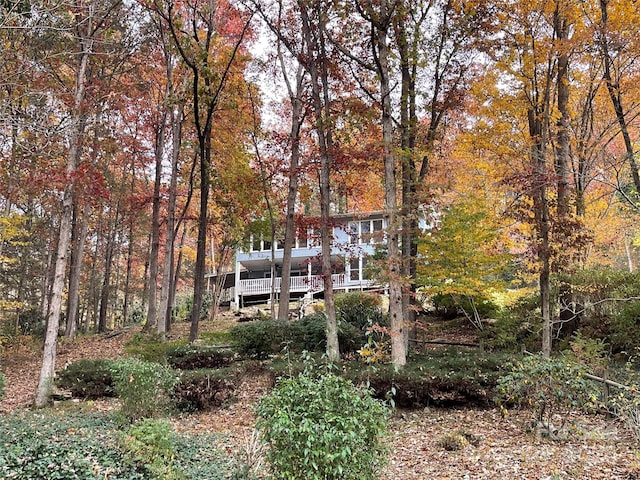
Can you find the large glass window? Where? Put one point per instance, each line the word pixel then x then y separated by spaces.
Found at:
pixel 354 269
pixel 365 232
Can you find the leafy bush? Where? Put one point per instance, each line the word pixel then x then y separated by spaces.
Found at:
pixel 359 309
pixel 88 378
pixel 314 335
pixel 198 390
pixel 517 326
pixel 320 426
pixel 625 328
pixel 607 305
pixel 142 386
pixel 150 347
pixel 31 322
pixel 444 377
pixel 260 339
pixel 191 357
pixel 148 444
pixel 184 305
pixel 552 386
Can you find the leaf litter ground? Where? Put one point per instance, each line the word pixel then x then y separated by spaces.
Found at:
pixel 501 447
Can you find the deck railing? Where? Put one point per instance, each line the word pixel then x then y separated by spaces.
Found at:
pixel 313 284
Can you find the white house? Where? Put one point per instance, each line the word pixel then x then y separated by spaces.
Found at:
pixel 355 238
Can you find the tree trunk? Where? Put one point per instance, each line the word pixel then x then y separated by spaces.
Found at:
pixel 398 326
pixel 74 274
pixel 615 95
pixel 294 161
pixel 541 214
pixel 47 371
pixel 177 117
pixel 105 292
pixel 152 312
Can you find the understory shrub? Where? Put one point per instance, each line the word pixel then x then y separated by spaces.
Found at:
pixel 625 328
pixel 320 426
pixel 360 309
pixel 88 378
pixel 606 305
pixel 443 378
pixel 143 387
pixel 2 385
pixel 199 390
pixel 150 347
pixel 451 306
pixel 356 312
pixel 191 357
pixel 262 338
pixel 624 403
pixel 149 445
pixel 517 326
pixel 551 386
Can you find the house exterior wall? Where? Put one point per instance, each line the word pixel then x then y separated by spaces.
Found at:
pixel 354 238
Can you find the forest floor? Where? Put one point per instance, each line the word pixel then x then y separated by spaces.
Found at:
pixel 502 448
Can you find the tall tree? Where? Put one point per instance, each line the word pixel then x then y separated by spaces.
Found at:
pixel 208 35
pixel 89 23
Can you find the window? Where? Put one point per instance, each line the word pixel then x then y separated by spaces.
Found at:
pixel 365 232
pixel 256 243
pixel 354 234
pixel 354 269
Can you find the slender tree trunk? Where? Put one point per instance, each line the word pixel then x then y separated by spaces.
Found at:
pixel 47 371
pixel 294 162
pixel 152 312
pixel 176 276
pixel 615 95
pixel 541 213
pixel 75 270
pixel 105 292
pixel 561 27
pixel 316 65
pixel 177 117
pixel 398 326
pixel 130 244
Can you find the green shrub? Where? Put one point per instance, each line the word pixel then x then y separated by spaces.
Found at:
pixel 314 335
pixel 552 386
pixel 191 357
pixel 262 338
pixel 199 390
pixel 148 445
pixel 319 426
pixel 359 309
pixel 625 328
pixel 150 347
pixel 142 386
pixel 2 385
pixel 87 378
pixel 443 378
pixel 259 339
pixel 518 326
pixel 624 403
